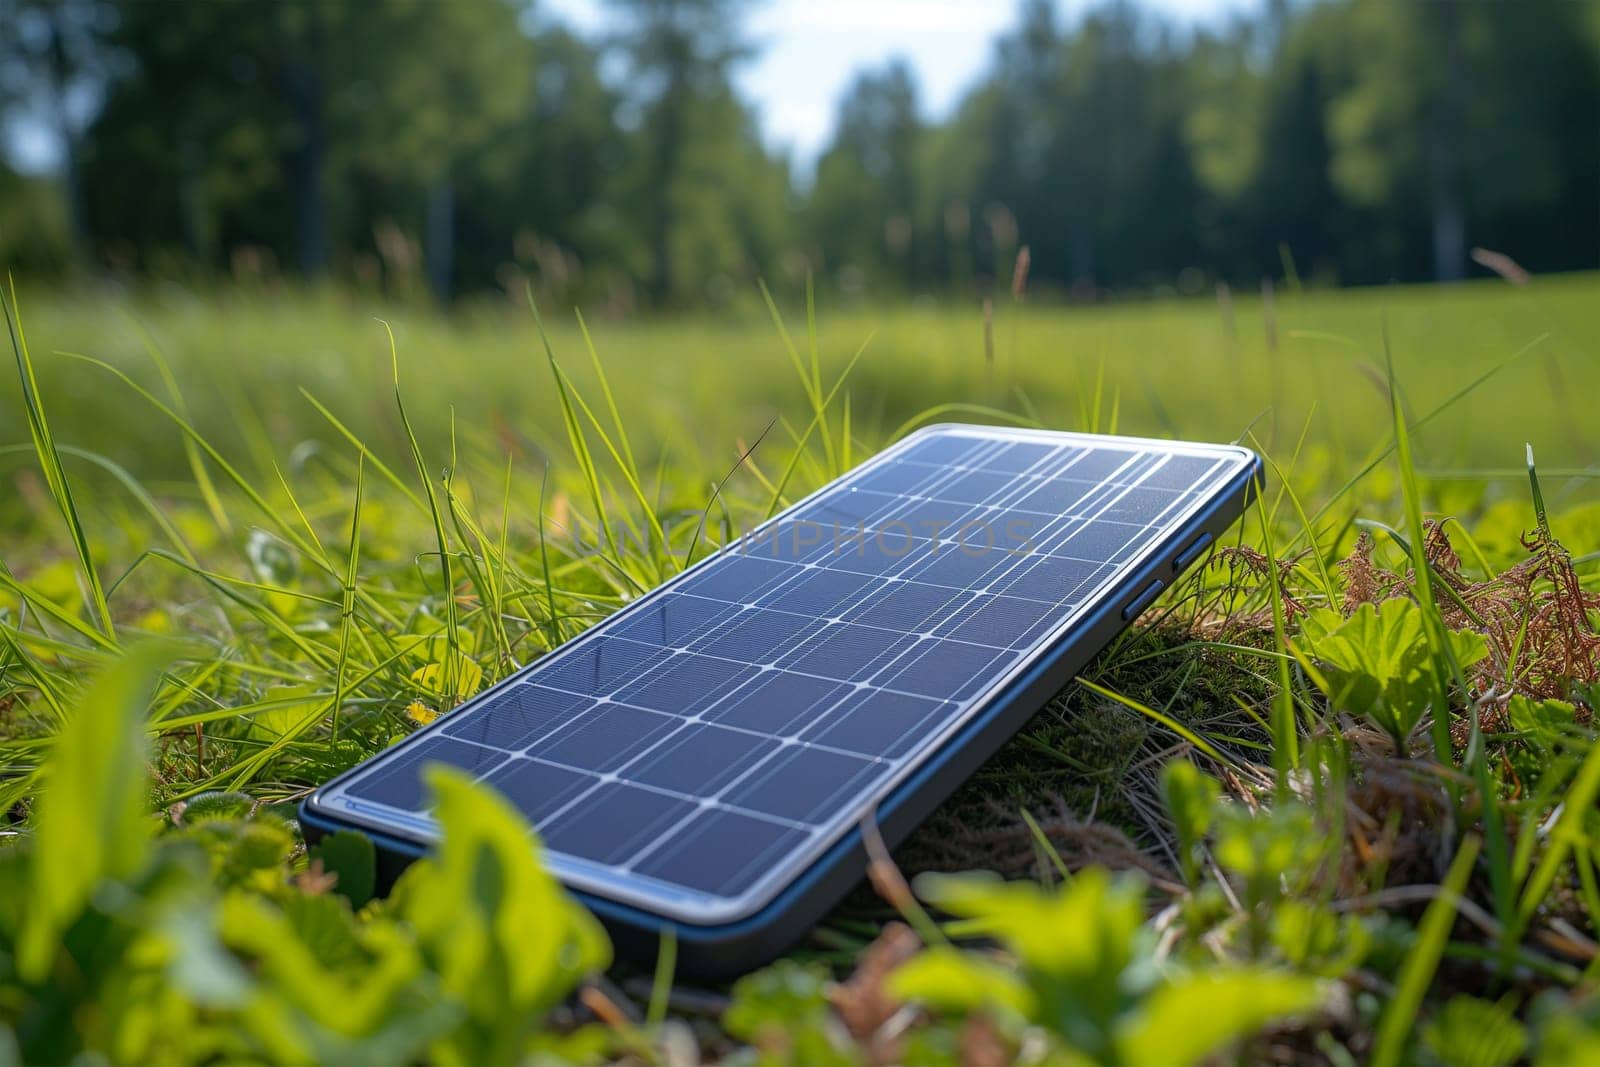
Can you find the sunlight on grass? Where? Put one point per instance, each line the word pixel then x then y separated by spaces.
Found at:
pixel 1387 768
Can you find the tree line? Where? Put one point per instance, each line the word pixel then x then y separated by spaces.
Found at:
pixel 413 146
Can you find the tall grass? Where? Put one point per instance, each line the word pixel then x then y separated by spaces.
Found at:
pixel 352 553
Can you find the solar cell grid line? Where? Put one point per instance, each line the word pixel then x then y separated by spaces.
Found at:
pixel 886 506
pixel 777 687
pixel 975 661
pixel 998 501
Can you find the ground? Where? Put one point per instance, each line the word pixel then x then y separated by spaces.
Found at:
pixel 1344 772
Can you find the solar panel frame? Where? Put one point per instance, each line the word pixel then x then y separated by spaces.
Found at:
pixel 666 900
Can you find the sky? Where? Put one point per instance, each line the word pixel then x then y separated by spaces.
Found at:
pixel 810 50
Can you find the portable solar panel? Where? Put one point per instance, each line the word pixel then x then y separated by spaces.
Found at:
pixel 704 758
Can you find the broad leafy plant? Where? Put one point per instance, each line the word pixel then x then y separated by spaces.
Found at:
pixel 1275 861
pixel 1379 663
pixel 1083 983
pixel 133 945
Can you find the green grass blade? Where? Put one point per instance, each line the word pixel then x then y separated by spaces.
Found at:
pixel 347 604
pixel 441 538
pixel 1155 716
pixel 55 474
pixel 1416 974
pixel 197 466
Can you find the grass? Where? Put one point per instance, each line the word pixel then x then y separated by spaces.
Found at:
pixel 342 520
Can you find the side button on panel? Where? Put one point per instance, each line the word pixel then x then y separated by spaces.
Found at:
pixel 1142 601
pixel 1196 549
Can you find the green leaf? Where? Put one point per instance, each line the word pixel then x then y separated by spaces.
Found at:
pixel 784 1011
pixel 288 709
pixel 1079 948
pixel 1312 938
pixel 507 942
pixel 1084 932
pixel 1191 796
pixel 1380 664
pixel 351 857
pixel 93 819
pixel 312 1004
pixel 325 926
pixel 199 964
pixel 1468 1032
pixel 1195 1016
pixel 946 979
pixel 217 806
pixel 1544 724
pixel 1269 845
pixel 786 995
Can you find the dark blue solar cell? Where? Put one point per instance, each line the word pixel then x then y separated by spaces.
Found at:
pixel 740 574
pixel 1060 496
pixel 803 784
pixel 1001 621
pixel 513 717
pixel 944 448
pixel 1099 464
pixel 538 789
pixel 1018 533
pixel 1183 473
pixel 686 682
pixel 849 507
pixel 846 652
pixel 614 822
pixel 875 552
pixel 893 537
pixel 960 568
pixel 974 487
pixel 819 592
pixel 700 760
pixel 906 606
pixel 1140 506
pixel 720 852
pixel 605 737
pixel 1101 541
pixel 796 540
pixel 399 783
pixel 937 520
pixel 599 666
pixel 1052 579
pixel 897 479
pixel 778 702
pixel 672 621
pixel 1019 457
pixel 879 724
pixel 939 668
pixel 994 531
pixel 756 635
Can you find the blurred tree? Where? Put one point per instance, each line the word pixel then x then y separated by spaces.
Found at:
pixel 864 202
pixel 33 226
pixel 474 144
pixel 679 102
pixel 1460 114
pixel 1078 133
pixel 240 113
pixel 1010 132
pixel 54 60
pixel 537 199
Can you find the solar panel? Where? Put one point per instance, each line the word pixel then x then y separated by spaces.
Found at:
pixel 690 752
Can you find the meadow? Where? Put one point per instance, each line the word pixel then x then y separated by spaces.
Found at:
pixel 1332 801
